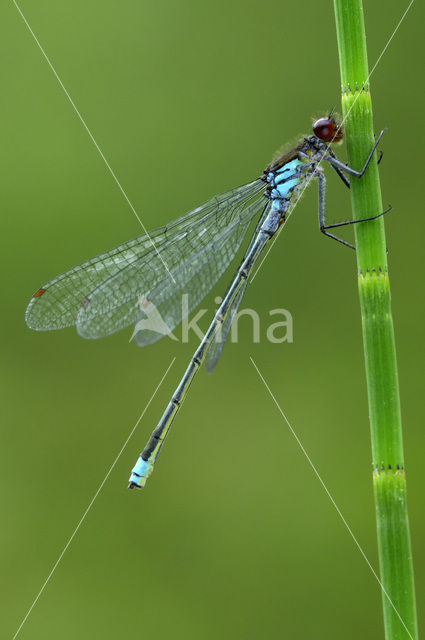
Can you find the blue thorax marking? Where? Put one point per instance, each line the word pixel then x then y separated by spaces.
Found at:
pixel 283 181
pixel 289 166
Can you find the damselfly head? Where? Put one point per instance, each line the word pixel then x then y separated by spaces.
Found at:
pixel 327 129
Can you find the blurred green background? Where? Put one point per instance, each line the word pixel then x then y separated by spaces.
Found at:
pixel 187 99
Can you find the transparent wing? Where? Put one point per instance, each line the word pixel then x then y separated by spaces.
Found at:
pixel 197 257
pixel 195 278
pixel 217 345
pixel 56 304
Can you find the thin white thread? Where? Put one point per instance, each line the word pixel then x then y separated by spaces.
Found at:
pixel 311 177
pixel 328 493
pixel 83 517
pixel 92 138
pixel 388 43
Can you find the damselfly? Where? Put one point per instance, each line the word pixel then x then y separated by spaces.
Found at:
pixel 103 294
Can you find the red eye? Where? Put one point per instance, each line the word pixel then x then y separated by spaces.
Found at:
pixel 324 129
pixel 327 129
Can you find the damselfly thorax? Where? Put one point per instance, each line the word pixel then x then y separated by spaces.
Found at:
pixel 286 175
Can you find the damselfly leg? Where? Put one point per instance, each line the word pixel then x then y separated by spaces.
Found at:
pixel 324 227
pixel 339 167
pixel 337 164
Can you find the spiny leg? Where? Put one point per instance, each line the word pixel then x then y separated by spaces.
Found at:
pixel 337 164
pixel 324 227
pixel 344 179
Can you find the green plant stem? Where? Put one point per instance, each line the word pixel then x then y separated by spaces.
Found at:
pixel 389 479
